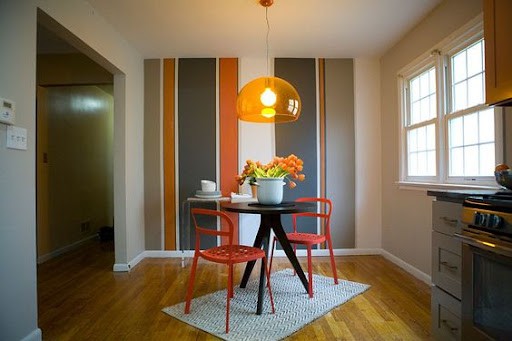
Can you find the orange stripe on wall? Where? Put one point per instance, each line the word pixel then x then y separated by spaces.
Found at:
pixel 228 130
pixel 169 155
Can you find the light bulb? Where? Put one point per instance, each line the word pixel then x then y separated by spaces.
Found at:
pixel 268 112
pixel 268 97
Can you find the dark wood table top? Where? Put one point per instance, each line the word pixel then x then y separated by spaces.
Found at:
pixel 256 208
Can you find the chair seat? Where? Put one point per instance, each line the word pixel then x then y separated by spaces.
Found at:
pixel 305 238
pixel 238 253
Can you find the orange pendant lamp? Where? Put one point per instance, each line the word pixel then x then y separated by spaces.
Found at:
pixel 268 99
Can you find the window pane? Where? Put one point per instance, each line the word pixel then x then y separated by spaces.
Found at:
pixel 431 163
pixel 475 90
pixel 471 163
pixel 413 164
pixel 487 161
pixel 431 137
pixel 425 109
pixel 471 129
pixel 421 104
pixel 424 84
pixel 432 80
pixel 460 96
pixel 422 163
pixel 475 59
pixel 412 140
pixel 415 89
pixel 422 138
pixel 486 125
pixel 455 132
pixel 456 162
pixel 415 112
pixel 459 67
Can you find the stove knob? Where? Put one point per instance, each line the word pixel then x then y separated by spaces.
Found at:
pixel 496 221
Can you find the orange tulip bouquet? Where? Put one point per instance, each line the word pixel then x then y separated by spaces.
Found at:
pixel 279 167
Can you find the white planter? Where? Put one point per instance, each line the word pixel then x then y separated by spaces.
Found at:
pixel 270 190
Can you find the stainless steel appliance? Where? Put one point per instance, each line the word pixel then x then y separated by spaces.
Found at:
pixel 487 267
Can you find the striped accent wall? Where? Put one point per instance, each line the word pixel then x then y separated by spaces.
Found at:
pixel 323 137
pixel 300 137
pixel 206 90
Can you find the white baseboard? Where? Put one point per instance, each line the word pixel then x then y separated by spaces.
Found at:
pixel 121 267
pixel 67 248
pixel 408 267
pixel 280 253
pixel 35 335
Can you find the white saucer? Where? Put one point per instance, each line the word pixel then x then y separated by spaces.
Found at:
pixel 208 196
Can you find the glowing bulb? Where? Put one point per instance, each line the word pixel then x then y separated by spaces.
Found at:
pixel 268 112
pixel 268 97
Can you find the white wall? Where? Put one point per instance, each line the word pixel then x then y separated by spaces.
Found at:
pixel 406 214
pixel 18 19
pixel 368 153
pixel 256 142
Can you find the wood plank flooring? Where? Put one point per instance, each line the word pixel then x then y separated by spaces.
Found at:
pixel 80 298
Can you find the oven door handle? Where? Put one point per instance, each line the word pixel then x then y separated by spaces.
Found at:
pixel 484 245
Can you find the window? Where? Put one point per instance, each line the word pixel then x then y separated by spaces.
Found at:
pixel 449 136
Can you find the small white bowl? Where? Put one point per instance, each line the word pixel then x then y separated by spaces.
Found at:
pixel 208 186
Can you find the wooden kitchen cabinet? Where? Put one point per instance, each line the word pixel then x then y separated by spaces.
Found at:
pixel 498 51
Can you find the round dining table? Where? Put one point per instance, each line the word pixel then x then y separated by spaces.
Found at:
pixel 270 221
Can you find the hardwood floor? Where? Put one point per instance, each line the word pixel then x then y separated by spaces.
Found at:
pixel 80 298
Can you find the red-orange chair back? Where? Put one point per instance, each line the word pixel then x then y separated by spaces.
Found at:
pixel 323 212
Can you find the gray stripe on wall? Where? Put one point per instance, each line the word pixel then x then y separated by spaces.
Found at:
pixel 340 149
pixel 196 129
pixel 300 137
pixel 152 160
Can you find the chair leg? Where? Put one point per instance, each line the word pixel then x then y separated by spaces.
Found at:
pixel 229 295
pixel 310 272
pixel 232 291
pixel 333 264
pixel 268 285
pixel 272 255
pixel 190 287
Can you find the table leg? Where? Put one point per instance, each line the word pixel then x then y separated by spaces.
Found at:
pixel 287 248
pixel 263 272
pixel 250 265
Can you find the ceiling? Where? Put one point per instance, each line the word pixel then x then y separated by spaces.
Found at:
pixel 237 28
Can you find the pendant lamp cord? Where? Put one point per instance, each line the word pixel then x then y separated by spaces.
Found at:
pixel 268 33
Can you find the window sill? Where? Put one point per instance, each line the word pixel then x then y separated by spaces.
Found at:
pixel 425 186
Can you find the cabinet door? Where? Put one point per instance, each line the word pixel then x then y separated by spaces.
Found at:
pixel 446 313
pixel 447 263
pixel 446 217
pixel 498 51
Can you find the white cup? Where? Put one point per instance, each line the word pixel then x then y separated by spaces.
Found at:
pixel 208 186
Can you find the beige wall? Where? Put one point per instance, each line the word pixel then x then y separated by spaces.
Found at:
pixel 18 22
pixel 406 214
pixel 79 167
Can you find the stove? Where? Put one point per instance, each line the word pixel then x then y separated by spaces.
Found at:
pixel 491 214
pixel 487 267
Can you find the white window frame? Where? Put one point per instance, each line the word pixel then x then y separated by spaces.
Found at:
pixel 439 57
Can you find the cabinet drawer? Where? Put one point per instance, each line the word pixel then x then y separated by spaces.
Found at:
pixel 446 313
pixel 446 217
pixel 447 263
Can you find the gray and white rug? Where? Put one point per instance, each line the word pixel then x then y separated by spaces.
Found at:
pixel 294 308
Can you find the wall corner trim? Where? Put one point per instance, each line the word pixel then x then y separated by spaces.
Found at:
pixel 35 335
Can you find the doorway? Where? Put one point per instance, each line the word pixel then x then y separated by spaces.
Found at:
pixel 74 157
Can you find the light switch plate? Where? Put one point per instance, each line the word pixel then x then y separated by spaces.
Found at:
pixel 16 138
pixel 6 111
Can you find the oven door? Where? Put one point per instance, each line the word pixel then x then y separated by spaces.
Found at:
pixel 486 288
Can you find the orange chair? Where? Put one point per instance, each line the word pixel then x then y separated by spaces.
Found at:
pixel 229 254
pixel 310 239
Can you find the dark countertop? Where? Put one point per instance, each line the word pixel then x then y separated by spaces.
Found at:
pixel 458 195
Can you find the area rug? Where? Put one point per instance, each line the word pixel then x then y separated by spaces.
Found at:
pixel 294 308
